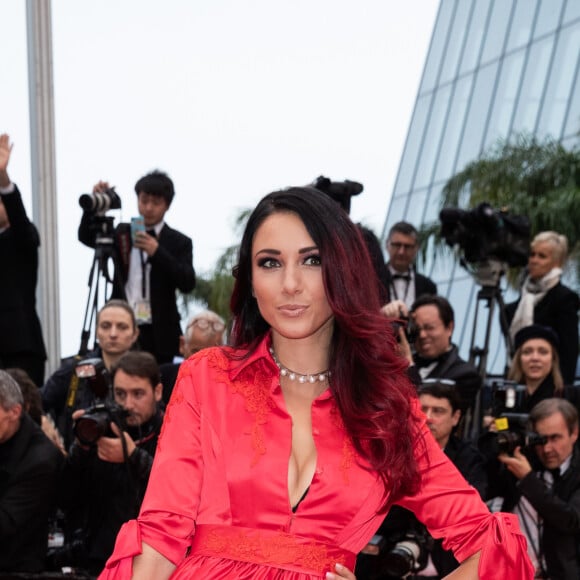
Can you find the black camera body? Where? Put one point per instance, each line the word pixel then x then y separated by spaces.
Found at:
pixel 484 233
pixel 100 203
pixel 408 554
pixel 402 548
pixel 96 422
pixel 512 425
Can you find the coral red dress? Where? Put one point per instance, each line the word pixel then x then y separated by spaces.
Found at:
pixel 217 503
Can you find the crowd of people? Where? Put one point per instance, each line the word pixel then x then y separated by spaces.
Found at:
pixel 323 430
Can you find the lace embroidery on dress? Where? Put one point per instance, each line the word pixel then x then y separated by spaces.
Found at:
pixel 176 399
pixel 348 452
pixel 277 548
pixel 253 383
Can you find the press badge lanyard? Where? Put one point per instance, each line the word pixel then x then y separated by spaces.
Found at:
pixel 143 275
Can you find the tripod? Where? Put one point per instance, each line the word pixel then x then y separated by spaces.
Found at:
pixel 105 253
pixel 488 275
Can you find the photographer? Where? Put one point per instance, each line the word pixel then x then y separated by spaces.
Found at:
pixel 546 494
pixel 151 265
pixel 116 331
pixel 105 480
pixel 436 357
pixel 21 342
pixel 29 471
pixel 440 403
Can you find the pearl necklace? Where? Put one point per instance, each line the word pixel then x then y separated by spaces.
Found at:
pixel 293 375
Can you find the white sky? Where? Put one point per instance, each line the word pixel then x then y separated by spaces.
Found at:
pixel 232 98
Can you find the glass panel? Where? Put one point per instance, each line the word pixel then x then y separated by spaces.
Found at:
pixel 396 210
pixel 455 42
pixel 573 119
pixel 424 264
pixel 478 111
pixel 432 139
pixel 533 85
pixel 521 27
pixel 560 83
pixel 505 98
pixel 414 139
pixel 572 11
pixel 438 42
pixel 455 122
pixel 460 290
pixel 548 17
pixel 433 204
pixel 474 37
pixel 414 213
pixel 443 265
pixel 496 31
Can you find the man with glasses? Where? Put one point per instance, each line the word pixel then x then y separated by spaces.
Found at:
pixel 435 356
pixel 205 329
pixel 544 490
pixel 404 283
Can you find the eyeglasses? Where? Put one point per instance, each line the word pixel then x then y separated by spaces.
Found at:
pixel 402 246
pixel 428 328
pixel 204 324
pixel 445 382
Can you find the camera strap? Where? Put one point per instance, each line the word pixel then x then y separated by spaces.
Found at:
pixel 73 386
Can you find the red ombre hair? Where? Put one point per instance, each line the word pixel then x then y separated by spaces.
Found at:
pixel 369 380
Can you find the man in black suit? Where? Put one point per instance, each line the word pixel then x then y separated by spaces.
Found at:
pixel 30 467
pixel 21 343
pixel 546 496
pixel 152 265
pixel 403 283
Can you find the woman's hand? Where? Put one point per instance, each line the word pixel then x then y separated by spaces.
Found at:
pixel 340 571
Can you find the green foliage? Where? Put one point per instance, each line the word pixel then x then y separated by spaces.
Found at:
pixel 540 180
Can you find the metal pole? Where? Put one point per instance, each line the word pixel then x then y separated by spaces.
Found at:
pixel 43 167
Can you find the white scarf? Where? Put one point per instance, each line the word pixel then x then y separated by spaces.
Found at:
pixel 532 293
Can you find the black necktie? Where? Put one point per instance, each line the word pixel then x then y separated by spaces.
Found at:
pixel 555 474
pixel 401 277
pixel 152 233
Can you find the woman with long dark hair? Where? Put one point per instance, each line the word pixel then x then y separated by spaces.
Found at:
pixel 281 454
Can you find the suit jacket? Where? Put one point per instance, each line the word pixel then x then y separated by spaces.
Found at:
pixel 451 366
pixel 558 309
pixel 559 508
pixel 30 465
pixel 20 330
pixel 423 285
pixel 171 270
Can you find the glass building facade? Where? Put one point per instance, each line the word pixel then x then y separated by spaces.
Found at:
pixel 495 68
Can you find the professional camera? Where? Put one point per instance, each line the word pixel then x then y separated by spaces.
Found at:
pixel 400 548
pixel 340 191
pixel 408 555
pixel 512 426
pixel 484 233
pixel 408 324
pixel 96 422
pixel 100 203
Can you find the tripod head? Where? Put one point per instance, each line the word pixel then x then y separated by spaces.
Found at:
pixel 102 228
pixel 486 273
